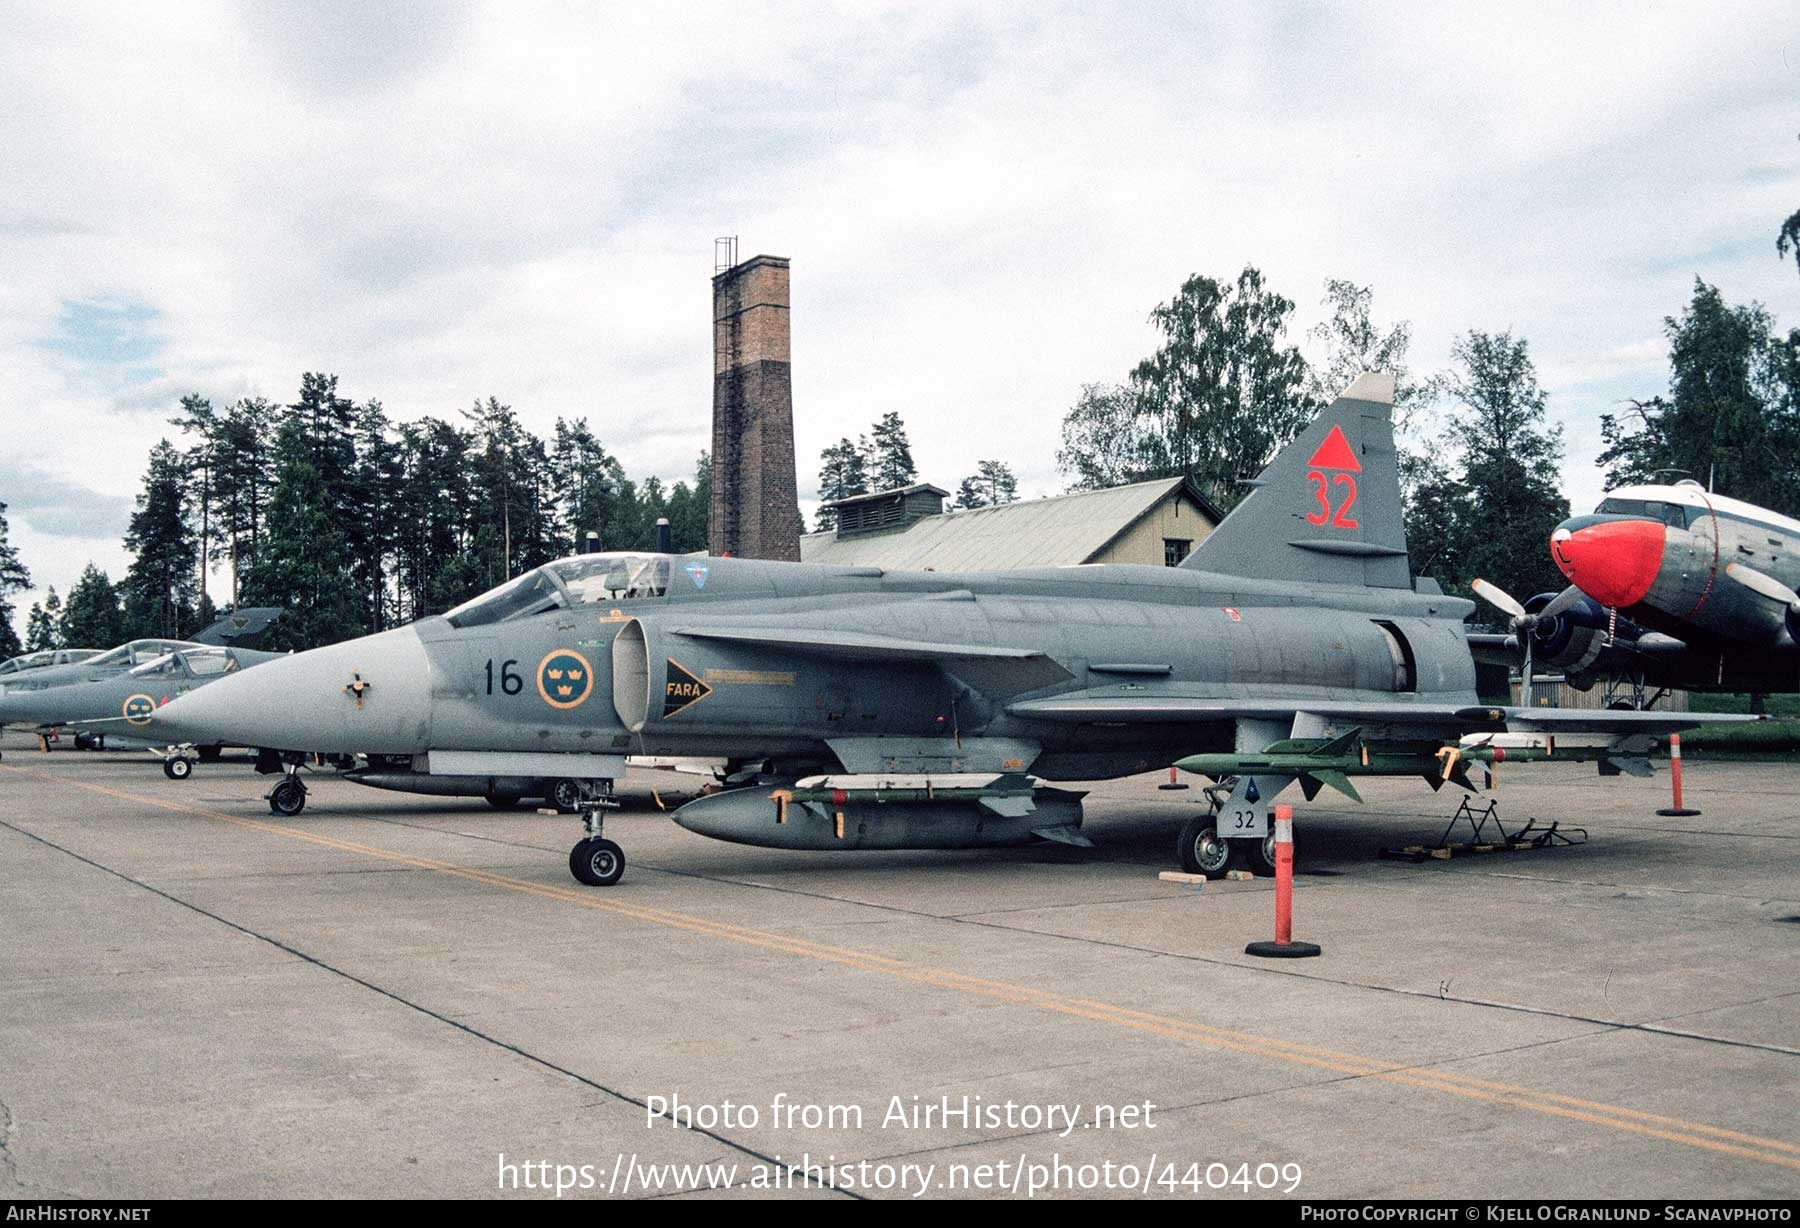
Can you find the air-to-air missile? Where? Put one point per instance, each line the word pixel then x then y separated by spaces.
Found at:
pixel 949 811
pixel 1317 763
pixel 930 700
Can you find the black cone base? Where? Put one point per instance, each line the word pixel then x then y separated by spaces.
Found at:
pixel 1678 812
pixel 1283 950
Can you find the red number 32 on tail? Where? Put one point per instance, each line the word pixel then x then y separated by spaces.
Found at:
pixel 1340 519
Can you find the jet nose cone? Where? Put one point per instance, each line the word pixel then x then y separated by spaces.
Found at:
pixel 1615 561
pixel 370 696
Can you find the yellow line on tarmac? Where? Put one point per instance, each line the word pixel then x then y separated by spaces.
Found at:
pixel 1613 1117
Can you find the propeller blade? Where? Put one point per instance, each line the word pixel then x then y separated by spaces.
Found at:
pixel 1561 602
pixel 1499 597
pixel 1763 584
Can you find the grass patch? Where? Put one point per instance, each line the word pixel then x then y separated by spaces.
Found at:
pixel 1765 740
pixel 1777 706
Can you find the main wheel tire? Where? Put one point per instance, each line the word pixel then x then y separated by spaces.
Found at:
pixel 1201 849
pixel 178 767
pixel 1259 855
pixel 288 798
pixel 563 796
pixel 503 801
pixel 596 861
pixel 210 754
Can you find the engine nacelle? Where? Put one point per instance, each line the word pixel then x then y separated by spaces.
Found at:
pixel 718 687
pixel 1574 641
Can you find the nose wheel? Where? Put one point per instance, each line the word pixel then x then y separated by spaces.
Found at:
pixel 596 861
pixel 288 797
pixel 178 767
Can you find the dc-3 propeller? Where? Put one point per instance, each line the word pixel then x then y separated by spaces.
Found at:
pixel 1525 622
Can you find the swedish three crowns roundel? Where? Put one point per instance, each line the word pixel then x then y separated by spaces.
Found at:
pixel 565 679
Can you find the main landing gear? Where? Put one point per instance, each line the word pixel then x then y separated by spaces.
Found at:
pixel 595 860
pixel 1203 850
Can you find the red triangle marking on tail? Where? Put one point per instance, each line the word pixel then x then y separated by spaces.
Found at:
pixel 1336 453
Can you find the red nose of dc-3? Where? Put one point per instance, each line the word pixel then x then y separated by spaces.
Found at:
pixel 1615 561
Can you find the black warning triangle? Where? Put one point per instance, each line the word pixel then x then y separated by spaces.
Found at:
pixel 682 690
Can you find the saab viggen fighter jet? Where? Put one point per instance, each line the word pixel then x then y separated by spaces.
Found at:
pixel 122 703
pixel 861 708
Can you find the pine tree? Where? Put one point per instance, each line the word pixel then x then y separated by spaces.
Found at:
pixel 198 419
pixel 590 489
pixel 690 509
pixel 843 473
pixel 243 472
pixel 653 505
pixel 161 587
pixel 91 616
pixel 43 627
pixel 303 563
pixel 992 485
pixel 511 491
pixel 434 534
pixel 890 461
pixel 379 513
pixel 14 578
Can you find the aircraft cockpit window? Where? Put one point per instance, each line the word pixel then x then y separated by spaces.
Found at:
pixel 29 661
pixel 117 656
pixel 532 593
pixel 210 663
pixel 615 578
pixel 166 666
pixel 1675 514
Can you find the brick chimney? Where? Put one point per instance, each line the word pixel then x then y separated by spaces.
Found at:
pixel 755 502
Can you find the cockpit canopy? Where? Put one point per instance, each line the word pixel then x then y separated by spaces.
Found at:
pixel 567 584
pixel 1675 514
pixel 196 662
pixel 138 652
pixel 48 656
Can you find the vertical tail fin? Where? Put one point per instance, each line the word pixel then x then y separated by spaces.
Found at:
pixel 1327 509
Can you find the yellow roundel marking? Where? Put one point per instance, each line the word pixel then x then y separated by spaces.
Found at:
pixel 565 679
pixel 138 709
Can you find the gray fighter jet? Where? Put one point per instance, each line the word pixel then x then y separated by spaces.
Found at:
pixel 115 711
pixel 108 664
pixel 238 629
pixel 867 709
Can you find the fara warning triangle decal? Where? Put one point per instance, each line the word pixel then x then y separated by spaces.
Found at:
pixel 683 690
pixel 1335 453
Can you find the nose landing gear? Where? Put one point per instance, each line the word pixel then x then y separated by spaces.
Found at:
pixel 288 797
pixel 596 861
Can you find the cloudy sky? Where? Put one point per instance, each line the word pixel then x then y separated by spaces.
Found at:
pixel 441 202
